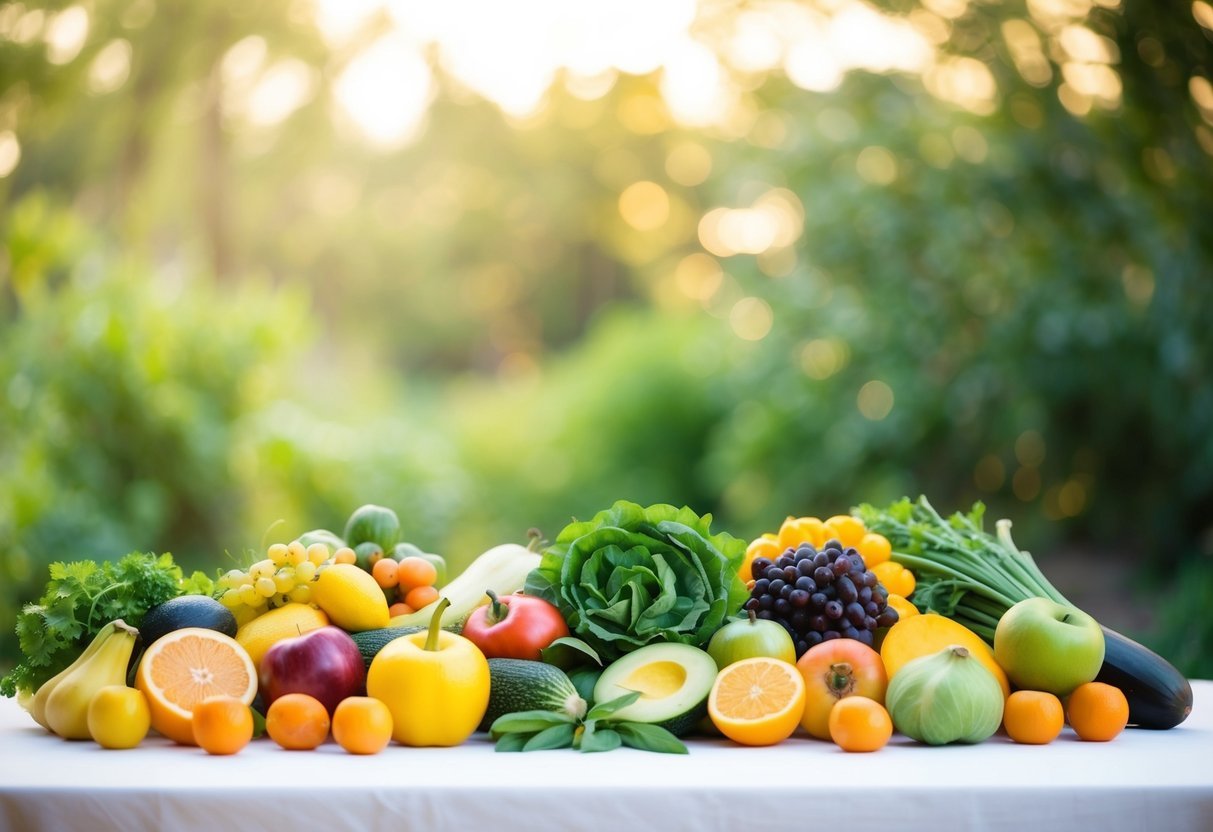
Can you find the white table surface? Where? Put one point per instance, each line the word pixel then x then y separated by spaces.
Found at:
pixel 1143 780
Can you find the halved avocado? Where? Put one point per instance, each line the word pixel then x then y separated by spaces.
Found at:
pixel 674 681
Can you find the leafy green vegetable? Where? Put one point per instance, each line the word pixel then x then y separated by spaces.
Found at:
pixel 84 596
pixel 635 575
pixel 597 731
pixel 962 571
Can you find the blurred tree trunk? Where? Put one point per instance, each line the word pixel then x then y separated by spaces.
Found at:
pixel 213 166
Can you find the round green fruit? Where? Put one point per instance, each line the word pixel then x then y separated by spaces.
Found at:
pixel 752 638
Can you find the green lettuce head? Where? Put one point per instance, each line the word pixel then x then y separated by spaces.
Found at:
pixel 633 576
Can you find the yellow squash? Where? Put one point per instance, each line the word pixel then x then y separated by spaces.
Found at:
pixel 435 683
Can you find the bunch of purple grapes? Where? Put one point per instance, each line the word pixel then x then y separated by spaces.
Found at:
pixel 820 595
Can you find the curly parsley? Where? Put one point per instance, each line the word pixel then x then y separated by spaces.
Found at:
pixel 84 596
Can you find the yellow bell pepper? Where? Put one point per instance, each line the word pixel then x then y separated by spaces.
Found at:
pixel 436 684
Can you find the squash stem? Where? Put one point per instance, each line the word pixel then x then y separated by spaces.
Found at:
pixel 431 639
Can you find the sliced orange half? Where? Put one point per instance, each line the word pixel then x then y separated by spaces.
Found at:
pixel 186 666
pixel 757 701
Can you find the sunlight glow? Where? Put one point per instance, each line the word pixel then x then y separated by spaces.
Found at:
pixel 66 34
pixel 10 152
pixel 110 68
pixel 386 91
pixel 775 220
pixel 693 85
pixel 284 88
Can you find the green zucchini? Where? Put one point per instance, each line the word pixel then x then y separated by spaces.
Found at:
pixel 1159 695
pixel 521 685
pixel 370 642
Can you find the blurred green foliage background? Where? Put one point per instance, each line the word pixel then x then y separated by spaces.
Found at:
pixel 498 265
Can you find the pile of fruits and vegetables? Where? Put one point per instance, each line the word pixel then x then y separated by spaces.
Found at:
pixel 638 627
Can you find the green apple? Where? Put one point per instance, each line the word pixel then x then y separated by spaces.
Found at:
pixel 749 639
pixel 1044 645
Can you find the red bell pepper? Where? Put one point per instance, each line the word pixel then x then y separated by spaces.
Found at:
pixel 514 627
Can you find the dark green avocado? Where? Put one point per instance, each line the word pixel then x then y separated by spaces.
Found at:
pixel 186 611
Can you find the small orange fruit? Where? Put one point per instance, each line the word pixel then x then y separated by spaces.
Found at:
pixel 181 669
pixel 1097 712
pixel 415 572
pixel 757 701
pixel 421 596
pixel 297 722
pixel 858 723
pixel 1033 717
pixel 386 573
pixel 362 725
pixel 222 724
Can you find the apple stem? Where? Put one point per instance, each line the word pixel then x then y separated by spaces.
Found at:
pixel 431 639
pixel 753 617
pixel 497 610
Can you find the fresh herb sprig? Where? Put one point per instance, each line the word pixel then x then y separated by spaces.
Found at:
pixel 81 598
pixel 596 731
pixel 962 571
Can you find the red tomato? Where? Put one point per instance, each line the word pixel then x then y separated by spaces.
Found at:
pixel 514 627
pixel 834 670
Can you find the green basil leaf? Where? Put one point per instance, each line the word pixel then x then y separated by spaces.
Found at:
pixel 513 742
pixel 599 739
pixel 558 736
pixel 648 737
pixel 568 652
pixel 527 721
pixel 605 709
pixel 258 723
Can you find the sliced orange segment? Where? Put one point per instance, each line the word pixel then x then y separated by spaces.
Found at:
pixel 757 701
pixel 185 667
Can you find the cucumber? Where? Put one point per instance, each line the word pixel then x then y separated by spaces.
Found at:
pixel 521 685
pixel 1159 695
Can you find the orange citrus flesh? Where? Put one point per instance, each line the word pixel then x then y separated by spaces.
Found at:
pixel 187 666
pixel 757 701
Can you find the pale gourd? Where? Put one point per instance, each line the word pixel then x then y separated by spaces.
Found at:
pixel 945 697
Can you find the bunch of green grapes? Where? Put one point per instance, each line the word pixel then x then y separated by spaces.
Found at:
pixel 284 577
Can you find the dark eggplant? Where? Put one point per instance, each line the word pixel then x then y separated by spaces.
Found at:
pixel 1159 695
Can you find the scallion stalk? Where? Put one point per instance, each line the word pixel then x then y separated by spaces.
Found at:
pixel 962 571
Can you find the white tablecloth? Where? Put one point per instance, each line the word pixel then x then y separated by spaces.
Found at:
pixel 1144 780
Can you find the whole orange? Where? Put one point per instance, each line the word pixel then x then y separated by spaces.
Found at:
pixel 222 724
pixel 1097 712
pixel 1033 717
pixel 860 724
pixel 297 722
pixel 362 725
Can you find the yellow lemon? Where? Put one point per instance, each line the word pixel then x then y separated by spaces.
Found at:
pixel 258 635
pixel 351 598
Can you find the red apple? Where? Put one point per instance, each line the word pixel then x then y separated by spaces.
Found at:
pixel 324 663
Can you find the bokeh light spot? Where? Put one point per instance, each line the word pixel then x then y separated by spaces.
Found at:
pixel 875 400
pixel 644 205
